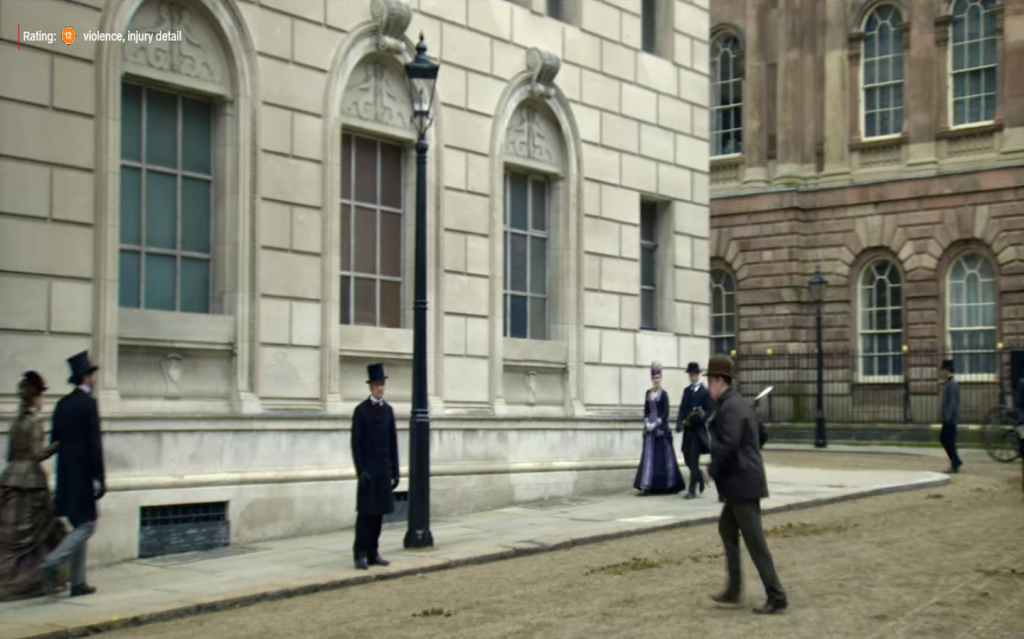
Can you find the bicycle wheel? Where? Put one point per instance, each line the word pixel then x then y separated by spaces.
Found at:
pixel 999 437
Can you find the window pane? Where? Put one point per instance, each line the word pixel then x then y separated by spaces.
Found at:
pixel 517 202
pixel 390 244
pixel 365 248
pixel 195 215
pixel 365 302
pixel 647 319
pixel 647 277
pixel 517 316
pixel 161 210
pixel 391 175
pixel 989 56
pixel 717 325
pixel 160 284
pixel 538 266
pixel 131 122
pixel 131 206
pixel 540 205
pixel 161 128
pixel 538 318
pixel 128 279
pixel 366 171
pixel 346 167
pixel 195 285
pixel 346 237
pixel 196 136
pixel 647 222
pixel 391 304
pixel 871 125
pixel 869 72
pixel 517 260
pixel 346 300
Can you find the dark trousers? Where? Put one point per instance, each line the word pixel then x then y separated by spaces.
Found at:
pixel 745 517
pixel 367 535
pixel 948 439
pixel 691 457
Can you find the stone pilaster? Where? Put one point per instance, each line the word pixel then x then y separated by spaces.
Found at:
pixel 1011 72
pixel 755 156
pixel 811 112
pixel 837 87
pixel 790 92
pixel 926 100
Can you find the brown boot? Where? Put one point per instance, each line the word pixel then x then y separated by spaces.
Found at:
pixel 727 597
pixel 772 606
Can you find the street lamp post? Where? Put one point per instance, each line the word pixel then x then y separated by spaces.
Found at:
pixel 817 286
pixel 422 76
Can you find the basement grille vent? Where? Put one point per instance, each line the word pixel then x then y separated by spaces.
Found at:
pixel 178 528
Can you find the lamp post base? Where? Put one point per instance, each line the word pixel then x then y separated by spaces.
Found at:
pixel 418 539
pixel 819 434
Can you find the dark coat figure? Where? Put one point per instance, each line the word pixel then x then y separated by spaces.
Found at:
pixel 696 405
pixel 375 455
pixel 81 480
pixel 738 471
pixel 658 471
pixel 950 416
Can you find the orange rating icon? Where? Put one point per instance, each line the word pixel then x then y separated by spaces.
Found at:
pixel 67 35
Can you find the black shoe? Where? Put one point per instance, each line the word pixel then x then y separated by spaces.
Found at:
pixel 689 495
pixel 81 590
pixel 361 563
pixel 644 493
pixel 377 560
pixel 772 606
pixel 726 597
pixel 952 470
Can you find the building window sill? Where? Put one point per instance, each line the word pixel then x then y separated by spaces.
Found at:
pixel 969 130
pixel 360 342
pixel 535 353
pixel 888 141
pixel 179 330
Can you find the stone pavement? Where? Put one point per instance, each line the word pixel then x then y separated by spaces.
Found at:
pixel 162 588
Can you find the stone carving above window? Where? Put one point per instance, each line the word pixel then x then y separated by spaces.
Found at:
pixel 544 66
pixel 146 373
pixel 376 93
pixel 196 55
pixel 533 135
pixel 392 18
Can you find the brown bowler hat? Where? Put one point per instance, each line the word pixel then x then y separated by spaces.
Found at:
pixel 721 366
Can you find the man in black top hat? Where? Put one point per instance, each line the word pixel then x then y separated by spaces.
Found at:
pixel 690 421
pixel 738 472
pixel 950 415
pixel 81 480
pixel 375 454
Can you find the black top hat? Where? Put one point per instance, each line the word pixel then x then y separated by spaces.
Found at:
pixel 721 366
pixel 80 367
pixel 693 368
pixel 375 372
pixel 947 365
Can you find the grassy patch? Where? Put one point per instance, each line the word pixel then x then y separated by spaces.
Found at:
pixel 433 612
pixel 788 531
pixel 634 564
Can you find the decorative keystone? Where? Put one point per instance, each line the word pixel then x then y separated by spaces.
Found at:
pixel 392 18
pixel 545 67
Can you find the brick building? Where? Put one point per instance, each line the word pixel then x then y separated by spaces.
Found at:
pixel 884 142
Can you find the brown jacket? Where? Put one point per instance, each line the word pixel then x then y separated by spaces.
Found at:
pixel 25 451
pixel 736 464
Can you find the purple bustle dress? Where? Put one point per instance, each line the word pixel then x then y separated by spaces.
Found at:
pixel 659 471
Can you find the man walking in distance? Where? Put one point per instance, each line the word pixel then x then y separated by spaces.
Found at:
pixel 80 476
pixel 950 415
pixel 695 406
pixel 375 454
pixel 738 471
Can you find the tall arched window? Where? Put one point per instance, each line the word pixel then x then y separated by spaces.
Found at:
pixel 973 57
pixel 971 314
pixel 882 73
pixel 723 313
pixel 880 324
pixel 726 96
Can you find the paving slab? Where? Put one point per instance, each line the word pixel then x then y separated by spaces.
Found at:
pixel 157 589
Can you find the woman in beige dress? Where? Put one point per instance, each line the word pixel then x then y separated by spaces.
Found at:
pixel 29 530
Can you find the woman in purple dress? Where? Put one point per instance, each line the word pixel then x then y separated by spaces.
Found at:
pixel 659 471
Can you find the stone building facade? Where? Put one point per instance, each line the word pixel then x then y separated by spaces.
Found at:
pixel 884 142
pixel 225 222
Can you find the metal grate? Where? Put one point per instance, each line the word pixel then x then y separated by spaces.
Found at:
pixel 183 514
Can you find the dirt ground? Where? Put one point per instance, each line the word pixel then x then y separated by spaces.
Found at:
pixel 934 563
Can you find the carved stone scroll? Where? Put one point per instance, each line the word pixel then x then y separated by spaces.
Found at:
pixel 392 18
pixel 544 66
pixel 376 93
pixel 197 54
pixel 171 368
pixel 533 135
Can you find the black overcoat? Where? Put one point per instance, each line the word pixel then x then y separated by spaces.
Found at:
pixel 76 425
pixel 695 435
pixel 736 464
pixel 375 454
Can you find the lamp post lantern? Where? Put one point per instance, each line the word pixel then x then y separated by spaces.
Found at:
pixel 422 76
pixel 817 286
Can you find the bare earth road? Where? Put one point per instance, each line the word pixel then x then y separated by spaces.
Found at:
pixel 937 563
